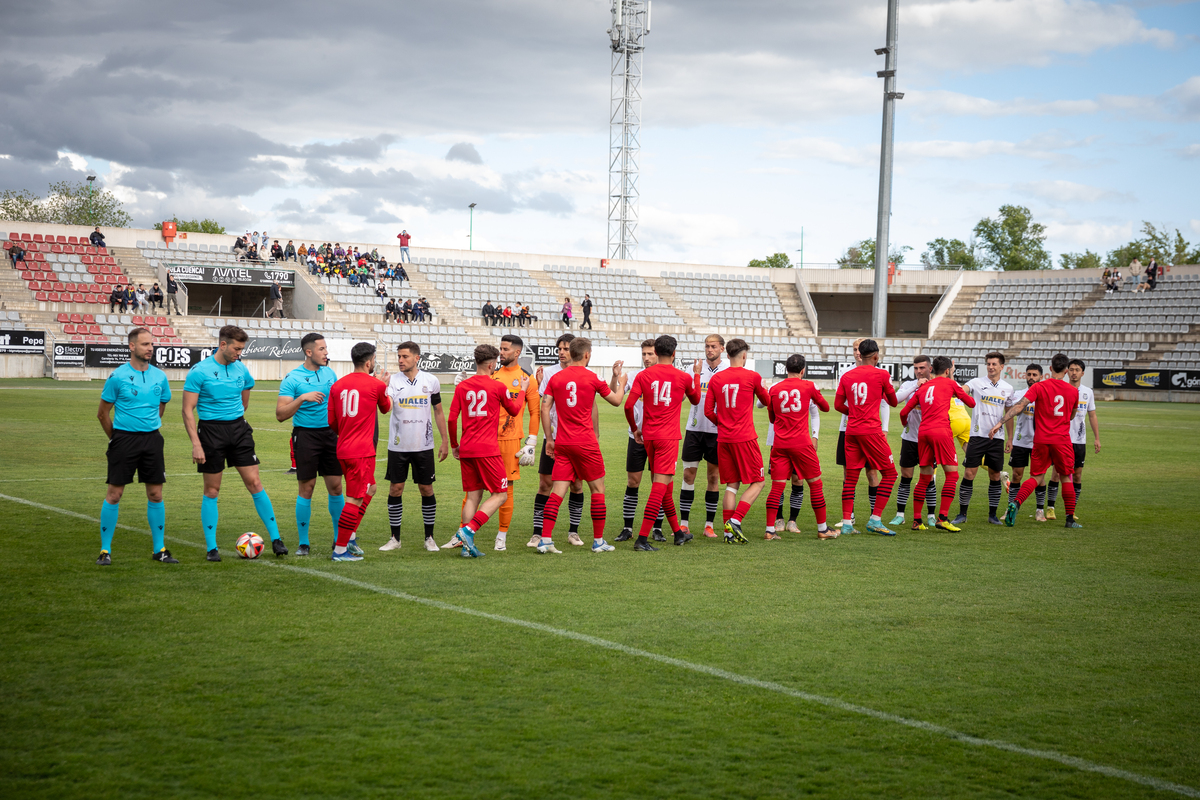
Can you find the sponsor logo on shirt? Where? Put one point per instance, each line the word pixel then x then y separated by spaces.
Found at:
pixel 418 401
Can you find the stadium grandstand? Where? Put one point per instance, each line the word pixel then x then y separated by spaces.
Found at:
pixel 62 286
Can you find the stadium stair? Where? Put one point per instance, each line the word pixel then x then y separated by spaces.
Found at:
pixel 695 323
pixel 959 313
pixel 793 311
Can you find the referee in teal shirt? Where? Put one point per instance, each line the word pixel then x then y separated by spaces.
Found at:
pixel 218 391
pixel 138 393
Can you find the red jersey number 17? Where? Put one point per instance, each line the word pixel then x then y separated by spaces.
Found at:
pixel 731 393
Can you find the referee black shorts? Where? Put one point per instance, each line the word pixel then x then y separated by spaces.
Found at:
pixel 1080 454
pixel 909 454
pixel 227 441
pixel 545 463
pixel 635 457
pixel 698 446
pixel 421 461
pixel 840 458
pixel 1019 457
pixel 316 452
pixel 130 452
pixel 982 450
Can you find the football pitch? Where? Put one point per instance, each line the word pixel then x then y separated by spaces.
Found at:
pixel 1031 662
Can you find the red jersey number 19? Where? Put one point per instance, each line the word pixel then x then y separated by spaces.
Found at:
pixel 662 392
pixel 731 393
pixel 477 404
pixel 859 390
pixel 349 402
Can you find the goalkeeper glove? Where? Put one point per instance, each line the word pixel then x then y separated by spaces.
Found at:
pixel 459 378
pixel 525 454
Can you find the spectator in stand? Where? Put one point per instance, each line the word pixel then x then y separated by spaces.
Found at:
pixel 117 298
pixel 566 312
pixel 586 305
pixel 97 238
pixel 16 253
pixel 254 239
pixel 289 252
pixel 381 290
pixel 383 265
pixel 239 247
pixel 172 294
pixel 276 251
pixel 401 274
pixel 406 311
pixel 404 239
pixel 489 313
pixel 352 279
pixel 338 251
pixel 276 300
pixel 508 316
pixel 523 316
pixel 130 297
pixel 1153 272
pixel 390 311
pixel 156 297
pixel 141 299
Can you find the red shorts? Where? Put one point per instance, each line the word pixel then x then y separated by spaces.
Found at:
pixel 1061 456
pixel 578 462
pixel 937 448
pixel 483 472
pixel 868 449
pixel 359 475
pixel 799 460
pixel 660 455
pixel 739 462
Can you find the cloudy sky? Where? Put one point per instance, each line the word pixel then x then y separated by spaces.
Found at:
pixel 352 120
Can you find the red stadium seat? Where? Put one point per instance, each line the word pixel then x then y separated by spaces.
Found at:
pixel 138 321
pixel 68 328
pixel 7 245
pixel 110 261
pixel 63 318
pixel 39 256
pixel 86 259
pixel 15 237
pixel 37 237
pixel 168 330
pixel 72 240
pixel 101 279
pixel 95 330
pixel 93 269
pixel 59 287
pixel 163 322
pixel 39 275
pixel 155 331
pixel 103 269
pixel 121 279
pixel 40 297
pixel 91 251
pixel 25 237
pixel 90 298
pixel 54 248
pixel 61 239
pixel 52 297
pixel 88 318
pixel 27 275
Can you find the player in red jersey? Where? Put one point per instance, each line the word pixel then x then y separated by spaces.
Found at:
pixel 793 451
pixel 479 400
pixel 352 403
pixel 661 388
pixel 1054 402
pixel 935 439
pixel 858 396
pixel 571 393
pixel 729 404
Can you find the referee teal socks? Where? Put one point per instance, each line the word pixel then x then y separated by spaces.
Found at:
pixel 156 515
pixel 336 503
pixel 262 504
pixel 209 516
pixel 303 517
pixel 108 523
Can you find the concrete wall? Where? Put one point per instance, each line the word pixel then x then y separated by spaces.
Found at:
pixel 22 366
pixel 304 301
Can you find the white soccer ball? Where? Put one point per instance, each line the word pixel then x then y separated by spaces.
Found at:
pixel 249 545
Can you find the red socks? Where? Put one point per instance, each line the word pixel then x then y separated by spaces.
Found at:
pixel 816 492
pixel 1068 493
pixel 848 486
pixel 599 512
pixel 1029 486
pixel 477 521
pixel 348 523
pixel 658 492
pixel 948 489
pixel 740 512
pixel 726 514
pixel 773 500
pixel 550 515
pixel 668 506
pixel 918 498
pixel 884 491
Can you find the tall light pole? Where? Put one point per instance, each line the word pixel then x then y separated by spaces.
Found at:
pixel 91 182
pixel 890 96
pixel 471 228
pixel 801 250
pixel 630 24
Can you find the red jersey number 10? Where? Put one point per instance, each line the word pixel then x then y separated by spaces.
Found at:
pixel 477 404
pixel 662 392
pixel 349 402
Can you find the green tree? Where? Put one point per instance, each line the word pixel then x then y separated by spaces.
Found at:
pixel 1085 260
pixel 67 203
pixel 943 253
pixel 777 261
pixel 861 255
pixel 205 225
pixel 1013 241
pixel 1155 243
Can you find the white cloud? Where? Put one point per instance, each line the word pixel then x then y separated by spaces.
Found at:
pixel 1071 193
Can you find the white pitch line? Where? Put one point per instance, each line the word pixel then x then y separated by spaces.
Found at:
pixel 1080 764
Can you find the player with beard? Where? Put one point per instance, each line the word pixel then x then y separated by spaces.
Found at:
pixel 1020 446
pixel 635 461
pixel 909 453
pixel 700 443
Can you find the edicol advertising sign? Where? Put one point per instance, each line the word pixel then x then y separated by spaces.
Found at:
pixel 26 343
pixel 239 276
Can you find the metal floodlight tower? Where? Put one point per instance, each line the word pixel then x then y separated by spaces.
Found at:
pixel 890 96
pixel 631 23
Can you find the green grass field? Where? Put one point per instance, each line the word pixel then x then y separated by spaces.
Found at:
pixel 273 678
